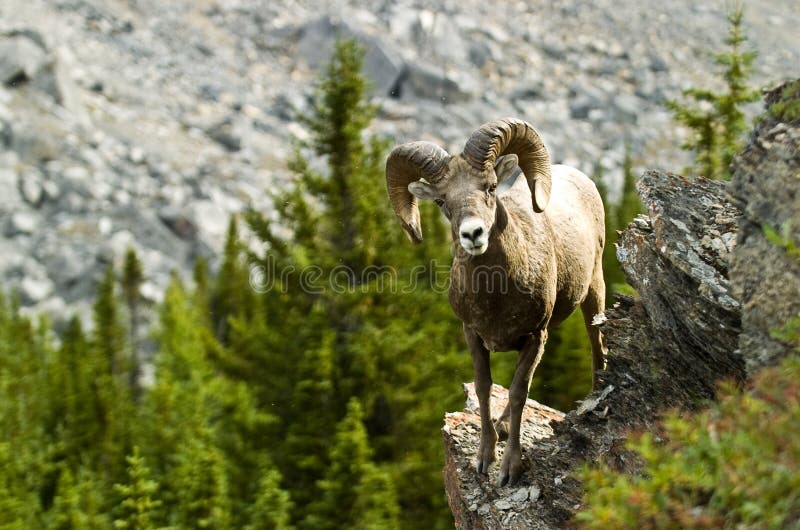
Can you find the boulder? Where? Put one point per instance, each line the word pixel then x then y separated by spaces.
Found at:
pixel 382 65
pixel 22 56
pixel 427 81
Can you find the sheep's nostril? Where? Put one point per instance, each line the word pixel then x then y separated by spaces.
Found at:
pixel 477 233
pixel 466 235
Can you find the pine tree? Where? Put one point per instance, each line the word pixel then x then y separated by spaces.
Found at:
pixel 309 436
pixel 355 494
pixel 132 278
pixel 202 486
pixel 112 385
pixel 232 293
pixel 139 496
pixel 271 509
pixel 618 216
pixel 396 350
pixel 716 120
pixel 79 503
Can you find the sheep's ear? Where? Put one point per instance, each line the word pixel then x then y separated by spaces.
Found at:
pixel 506 166
pixel 422 190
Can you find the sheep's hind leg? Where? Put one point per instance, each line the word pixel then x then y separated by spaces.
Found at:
pixel 593 304
pixel 529 357
pixel 483 388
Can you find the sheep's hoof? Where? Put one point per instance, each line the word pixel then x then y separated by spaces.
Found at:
pixel 485 459
pixel 510 467
pixel 486 453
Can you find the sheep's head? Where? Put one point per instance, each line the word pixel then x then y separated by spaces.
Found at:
pixel 464 185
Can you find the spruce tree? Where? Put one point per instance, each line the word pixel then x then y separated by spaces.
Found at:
pixel 80 502
pixel 201 485
pixel 308 437
pixel 132 278
pixel 112 386
pixel 355 494
pixel 618 216
pixel 394 342
pixel 232 294
pixel 139 505
pixel 271 509
pixel 716 119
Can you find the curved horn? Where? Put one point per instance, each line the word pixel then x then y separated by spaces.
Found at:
pixel 408 163
pixel 510 135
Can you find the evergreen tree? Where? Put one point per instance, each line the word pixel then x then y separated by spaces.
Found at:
pixel 132 278
pixel 394 342
pixel 232 294
pixel 115 408
pixel 308 437
pixel 618 216
pixel 716 120
pixel 355 494
pixel 79 503
pixel 139 496
pixel 271 510
pixel 109 333
pixel 202 486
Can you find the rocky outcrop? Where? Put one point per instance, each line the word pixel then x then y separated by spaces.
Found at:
pixel 766 186
pixel 710 286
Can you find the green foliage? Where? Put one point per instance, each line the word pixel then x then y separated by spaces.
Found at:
pixel 232 295
pixel 618 216
pixel 783 239
pixel 787 108
pixel 272 505
pixel 736 465
pixel 139 502
pixel 716 120
pixel 393 347
pixel 355 493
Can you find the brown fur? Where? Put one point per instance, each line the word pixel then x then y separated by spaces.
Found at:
pixel 537 269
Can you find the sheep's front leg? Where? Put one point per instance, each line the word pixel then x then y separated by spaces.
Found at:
pixel 483 388
pixel 529 357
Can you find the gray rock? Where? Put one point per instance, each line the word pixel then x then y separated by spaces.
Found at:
pixel 30 187
pixel 22 56
pixel 521 495
pixel 179 221
pixel 502 505
pixel 765 277
pixel 21 223
pixel 33 290
pixel 10 198
pixel 627 107
pixel 382 65
pixel 431 82
pixel 224 134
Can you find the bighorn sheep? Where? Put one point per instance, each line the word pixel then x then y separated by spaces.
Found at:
pixel 523 261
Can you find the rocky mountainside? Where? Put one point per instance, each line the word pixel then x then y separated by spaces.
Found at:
pixel 710 286
pixel 147 124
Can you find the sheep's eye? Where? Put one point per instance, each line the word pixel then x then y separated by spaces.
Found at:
pixel 491 189
pixel 439 202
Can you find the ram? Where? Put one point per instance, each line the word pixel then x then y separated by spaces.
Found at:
pixel 528 249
